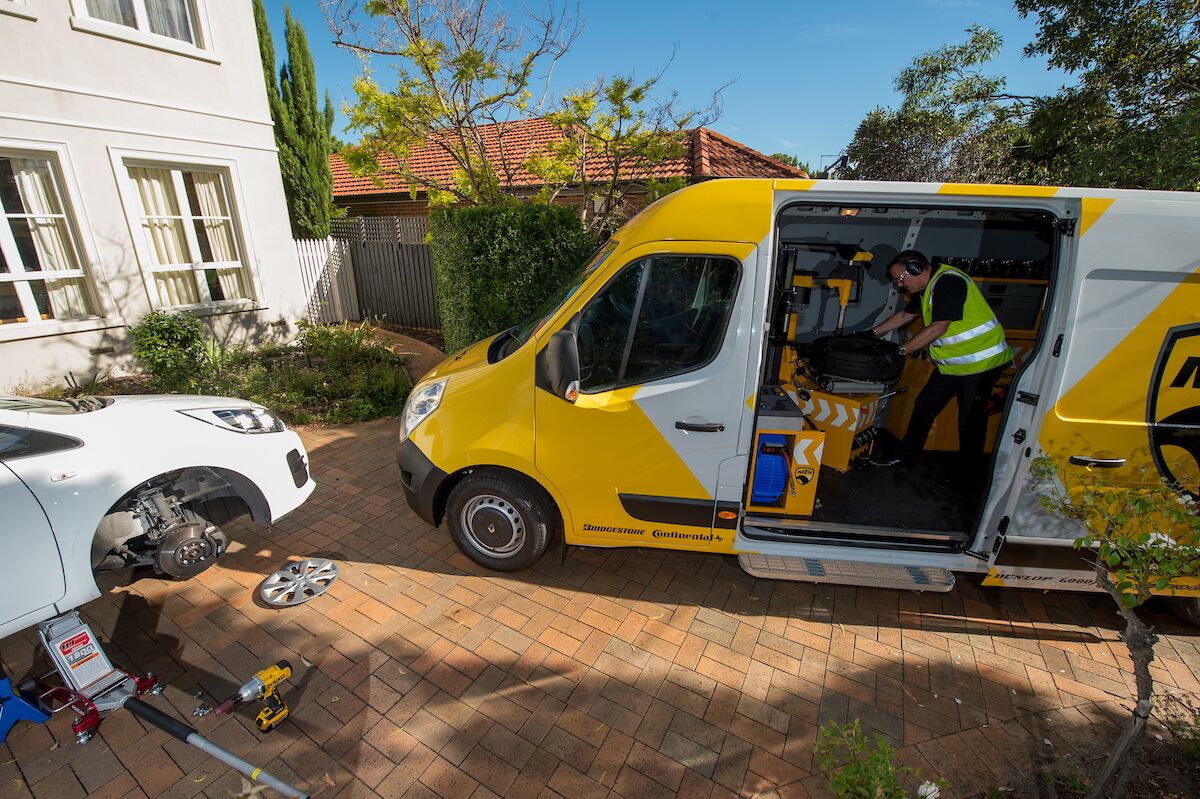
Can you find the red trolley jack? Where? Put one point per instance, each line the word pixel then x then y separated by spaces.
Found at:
pixel 84 680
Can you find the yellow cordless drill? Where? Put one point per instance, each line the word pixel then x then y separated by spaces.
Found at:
pixel 263 686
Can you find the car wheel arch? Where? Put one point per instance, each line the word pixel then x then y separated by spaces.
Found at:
pixel 229 484
pixel 443 492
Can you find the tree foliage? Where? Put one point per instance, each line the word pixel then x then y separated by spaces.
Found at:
pixel 464 70
pixel 1133 120
pixel 1142 56
pixel 613 134
pixel 302 131
pixel 954 122
pixel 1141 537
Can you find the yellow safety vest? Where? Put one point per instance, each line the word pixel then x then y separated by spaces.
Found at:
pixel 972 344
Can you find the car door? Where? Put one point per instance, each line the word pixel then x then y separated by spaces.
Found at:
pixel 661 376
pixel 33 574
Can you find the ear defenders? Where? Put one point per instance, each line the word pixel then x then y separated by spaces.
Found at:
pixel 912 266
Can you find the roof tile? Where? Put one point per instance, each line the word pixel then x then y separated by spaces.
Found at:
pixel 709 155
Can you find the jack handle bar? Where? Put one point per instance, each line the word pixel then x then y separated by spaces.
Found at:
pixel 177 729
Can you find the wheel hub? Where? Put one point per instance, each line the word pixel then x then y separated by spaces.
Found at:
pixel 493 526
pixel 189 548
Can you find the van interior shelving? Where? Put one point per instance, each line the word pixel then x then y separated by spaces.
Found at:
pixel 818 421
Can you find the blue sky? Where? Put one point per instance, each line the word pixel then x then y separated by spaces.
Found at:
pixel 805 72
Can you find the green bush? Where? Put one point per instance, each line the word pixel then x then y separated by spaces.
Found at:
pixel 173 350
pixel 496 266
pixel 1181 716
pixel 331 374
pixel 858 769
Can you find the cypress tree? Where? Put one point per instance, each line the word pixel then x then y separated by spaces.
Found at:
pixel 302 132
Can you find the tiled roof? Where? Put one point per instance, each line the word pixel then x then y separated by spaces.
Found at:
pixel 709 155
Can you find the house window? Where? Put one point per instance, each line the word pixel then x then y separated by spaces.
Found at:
pixel 41 277
pixel 173 18
pixel 188 223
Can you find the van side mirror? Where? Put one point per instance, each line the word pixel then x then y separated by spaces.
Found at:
pixel 557 369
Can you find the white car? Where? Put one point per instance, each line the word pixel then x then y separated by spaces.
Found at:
pixel 109 482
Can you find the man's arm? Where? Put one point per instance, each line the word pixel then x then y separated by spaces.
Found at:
pixel 897 320
pixel 927 336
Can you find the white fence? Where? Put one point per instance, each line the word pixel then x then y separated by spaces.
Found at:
pixel 328 278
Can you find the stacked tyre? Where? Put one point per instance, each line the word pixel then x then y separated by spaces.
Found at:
pixel 867 359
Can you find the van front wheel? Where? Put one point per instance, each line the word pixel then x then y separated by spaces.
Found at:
pixel 499 521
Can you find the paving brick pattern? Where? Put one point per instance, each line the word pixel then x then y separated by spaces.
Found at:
pixel 630 673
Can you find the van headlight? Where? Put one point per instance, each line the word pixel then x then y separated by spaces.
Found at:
pixel 423 401
pixel 241 420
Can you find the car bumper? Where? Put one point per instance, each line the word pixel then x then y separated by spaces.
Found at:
pixel 422 481
pixel 285 481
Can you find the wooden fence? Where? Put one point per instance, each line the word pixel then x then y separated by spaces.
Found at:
pixel 371 268
pixel 328 279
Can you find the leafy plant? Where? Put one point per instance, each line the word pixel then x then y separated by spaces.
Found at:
pixel 613 135
pixel 496 266
pixel 332 374
pixel 953 123
pixel 302 131
pixel 859 769
pixel 1140 537
pixel 1181 717
pixel 171 348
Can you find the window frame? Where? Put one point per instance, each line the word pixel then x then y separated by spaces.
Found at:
pixel 79 230
pixel 202 48
pixel 649 259
pixel 131 203
pixel 18 8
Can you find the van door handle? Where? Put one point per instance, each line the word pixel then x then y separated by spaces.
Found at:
pixel 1099 463
pixel 701 427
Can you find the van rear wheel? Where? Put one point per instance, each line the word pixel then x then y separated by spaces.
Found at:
pixel 499 521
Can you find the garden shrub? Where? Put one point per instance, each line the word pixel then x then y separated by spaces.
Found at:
pixel 859 769
pixel 171 348
pixel 333 374
pixel 496 265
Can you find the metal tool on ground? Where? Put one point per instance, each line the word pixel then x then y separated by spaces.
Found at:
pixel 189 735
pixel 85 680
pixel 262 686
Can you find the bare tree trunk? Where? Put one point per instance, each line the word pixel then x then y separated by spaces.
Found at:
pixel 1140 639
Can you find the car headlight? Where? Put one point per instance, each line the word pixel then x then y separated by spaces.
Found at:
pixel 241 420
pixel 423 401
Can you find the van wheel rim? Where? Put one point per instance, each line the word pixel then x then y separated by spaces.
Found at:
pixel 493 526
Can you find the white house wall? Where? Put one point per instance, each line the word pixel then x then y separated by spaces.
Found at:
pixel 93 100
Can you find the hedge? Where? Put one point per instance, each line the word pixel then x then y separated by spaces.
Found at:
pixel 496 266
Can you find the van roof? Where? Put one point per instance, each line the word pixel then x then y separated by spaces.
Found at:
pixel 741 209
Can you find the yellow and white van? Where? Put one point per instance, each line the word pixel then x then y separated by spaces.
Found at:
pixel 671 396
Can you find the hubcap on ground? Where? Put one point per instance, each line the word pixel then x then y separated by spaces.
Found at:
pixel 493 526
pixel 298 582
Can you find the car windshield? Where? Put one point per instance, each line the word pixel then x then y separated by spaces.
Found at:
pixel 524 331
pixel 40 405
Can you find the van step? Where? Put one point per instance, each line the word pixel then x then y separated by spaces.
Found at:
pixel 847 572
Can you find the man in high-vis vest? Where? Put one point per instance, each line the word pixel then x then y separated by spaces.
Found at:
pixel 967 345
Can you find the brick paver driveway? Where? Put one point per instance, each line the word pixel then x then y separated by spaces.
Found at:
pixel 621 672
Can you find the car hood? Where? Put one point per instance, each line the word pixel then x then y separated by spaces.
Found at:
pixel 177 402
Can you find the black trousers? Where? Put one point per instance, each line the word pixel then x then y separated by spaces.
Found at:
pixel 973 393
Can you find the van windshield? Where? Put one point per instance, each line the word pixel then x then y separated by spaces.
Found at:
pixel 524 331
